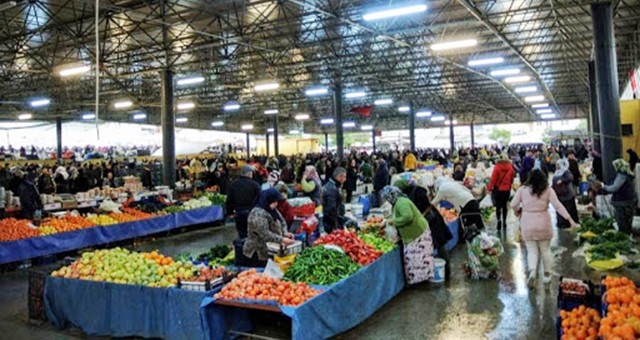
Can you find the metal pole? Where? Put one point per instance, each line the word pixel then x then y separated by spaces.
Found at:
pixel 412 128
pixel 594 115
pixel 97 32
pixel 451 137
pixel 276 152
pixel 59 139
pixel 473 135
pixel 326 142
pixel 167 120
pixel 607 84
pixel 337 111
pixel 267 142
pixel 373 139
pixel 248 148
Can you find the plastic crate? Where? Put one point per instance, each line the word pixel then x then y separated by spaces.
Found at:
pixel 200 286
pixel 37 277
pixel 277 249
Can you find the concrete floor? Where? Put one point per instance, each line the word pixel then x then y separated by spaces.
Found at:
pixel 458 309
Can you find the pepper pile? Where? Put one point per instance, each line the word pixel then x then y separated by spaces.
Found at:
pixel 252 285
pixel 320 266
pixel 376 242
pixel 353 246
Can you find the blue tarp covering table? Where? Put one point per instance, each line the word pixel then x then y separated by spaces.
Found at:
pixel 454 228
pixel 340 308
pixel 108 309
pixel 58 243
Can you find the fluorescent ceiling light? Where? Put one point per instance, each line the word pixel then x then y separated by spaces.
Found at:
pixel 88 116
pixel 247 127
pixel 423 114
pixel 231 107
pixel 548 116
pixel 73 71
pixel 302 116
pixel 526 89
pixel 437 118
pixel 535 106
pixel 25 116
pixel 358 94
pixel 294 132
pixel 123 104
pixel 270 130
pixel 266 85
pixel 40 102
pixel 348 124
pixel 186 106
pixel 271 112
pixel 139 116
pixel 316 91
pixel 366 127
pixel 541 111
pixel 394 12
pixel 448 122
pixel 517 79
pixel 217 123
pixel 486 61
pixel 505 72
pixel 386 101
pixel 404 109
pixel 7 5
pixel 326 121
pixel 449 45
pixel 182 120
pixel 191 81
pixel 534 99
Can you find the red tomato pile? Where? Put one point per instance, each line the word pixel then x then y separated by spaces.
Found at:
pixel 352 245
pixel 12 229
pixel 252 285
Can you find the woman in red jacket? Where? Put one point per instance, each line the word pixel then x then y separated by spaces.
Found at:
pixel 283 206
pixel 500 188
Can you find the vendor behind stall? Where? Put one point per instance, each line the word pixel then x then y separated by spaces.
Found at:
pixel 265 224
pixel 624 198
pixel 462 200
pixel 240 198
pixel 31 205
pixel 333 209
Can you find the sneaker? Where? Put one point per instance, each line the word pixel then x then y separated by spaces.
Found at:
pixel 531 281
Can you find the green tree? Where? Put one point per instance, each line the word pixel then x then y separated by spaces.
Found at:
pixel 500 135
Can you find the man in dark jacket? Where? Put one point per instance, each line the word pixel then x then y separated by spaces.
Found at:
pixel 241 196
pixel 574 168
pixel 30 201
pixel 381 179
pixel 333 209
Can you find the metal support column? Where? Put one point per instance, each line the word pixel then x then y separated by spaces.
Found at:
pixel 59 139
pixel 276 152
pixel 337 111
pixel 412 128
pixel 606 70
pixel 248 148
pixel 472 134
pixel 167 121
pixel 326 142
pixel 373 139
pixel 451 136
pixel 267 143
pixel 594 116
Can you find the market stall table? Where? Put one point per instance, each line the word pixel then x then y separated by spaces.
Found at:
pixel 339 308
pixel 29 248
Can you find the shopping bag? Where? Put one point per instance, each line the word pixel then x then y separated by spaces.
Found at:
pixel 486 202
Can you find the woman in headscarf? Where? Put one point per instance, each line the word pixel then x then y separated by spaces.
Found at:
pixel 624 198
pixel 61 178
pixel 415 234
pixel 562 184
pixel 272 180
pixel 312 185
pixel 265 224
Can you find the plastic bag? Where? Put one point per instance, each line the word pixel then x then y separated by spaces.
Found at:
pixel 486 202
pixel 273 270
pixel 603 265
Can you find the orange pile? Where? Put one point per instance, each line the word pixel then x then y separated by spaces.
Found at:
pixel 252 285
pixel 68 223
pixel 580 323
pixel 137 213
pixel 12 229
pixel 158 258
pixel 123 217
pixel 623 310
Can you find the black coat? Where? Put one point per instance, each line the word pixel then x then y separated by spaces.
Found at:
pixel 332 208
pixel 382 178
pixel 352 180
pixel 439 230
pixel 242 194
pixel 29 198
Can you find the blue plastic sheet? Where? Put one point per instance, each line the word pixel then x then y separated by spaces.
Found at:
pixel 107 309
pixel 58 243
pixel 340 308
pixel 454 227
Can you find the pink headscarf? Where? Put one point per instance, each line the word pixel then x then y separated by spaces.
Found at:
pixel 312 172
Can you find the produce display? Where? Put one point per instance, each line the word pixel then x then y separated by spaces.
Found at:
pixel 218 255
pixel 65 223
pixel 196 203
pixel 374 222
pixel 157 258
pixel 122 266
pixel 353 246
pixel 12 229
pixel 320 266
pixel 608 245
pixel 573 288
pixel 487 213
pixel 216 198
pixel 101 219
pixel 595 227
pixel 256 286
pixel 622 320
pixel 138 214
pixel 376 242
pixel 172 209
pixel 207 274
pixel 580 323
pixel 449 215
